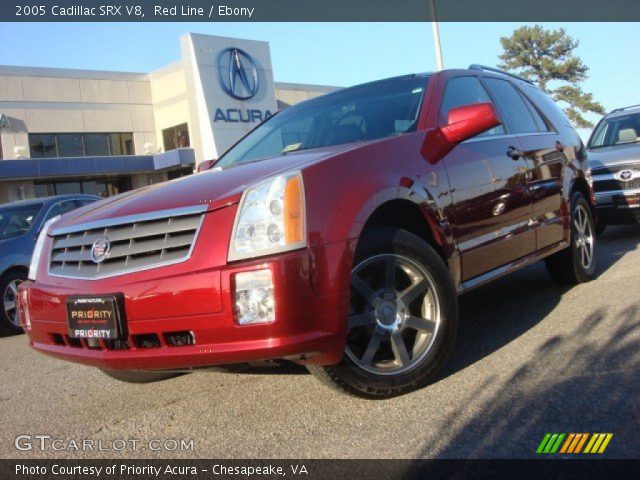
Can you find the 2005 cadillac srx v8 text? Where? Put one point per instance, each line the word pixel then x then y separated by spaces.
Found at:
pixel 338 234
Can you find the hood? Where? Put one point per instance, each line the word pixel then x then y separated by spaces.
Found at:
pixel 211 187
pixel 614 155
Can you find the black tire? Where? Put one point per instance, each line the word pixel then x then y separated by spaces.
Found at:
pixel 600 228
pixel 9 279
pixel 348 376
pixel 566 267
pixel 140 376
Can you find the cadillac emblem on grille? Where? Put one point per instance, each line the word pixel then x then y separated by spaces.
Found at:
pixel 626 175
pixel 100 250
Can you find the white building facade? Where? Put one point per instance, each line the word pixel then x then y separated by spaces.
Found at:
pixel 83 131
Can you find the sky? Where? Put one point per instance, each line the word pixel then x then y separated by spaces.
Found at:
pixel 339 54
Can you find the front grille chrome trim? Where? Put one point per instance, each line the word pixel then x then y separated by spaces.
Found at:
pixel 128 229
pixel 139 217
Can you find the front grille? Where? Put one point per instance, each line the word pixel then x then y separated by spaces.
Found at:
pixel 136 243
pixel 608 185
pixel 614 168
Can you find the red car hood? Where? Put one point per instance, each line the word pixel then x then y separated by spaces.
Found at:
pixel 212 188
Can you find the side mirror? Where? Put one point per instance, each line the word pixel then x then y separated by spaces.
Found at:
pixel 205 165
pixel 462 123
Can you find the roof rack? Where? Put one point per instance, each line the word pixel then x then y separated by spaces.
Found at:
pixel 621 109
pixel 476 66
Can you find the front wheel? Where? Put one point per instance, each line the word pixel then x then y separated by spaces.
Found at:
pixel 577 263
pixel 139 376
pixel 403 317
pixel 9 318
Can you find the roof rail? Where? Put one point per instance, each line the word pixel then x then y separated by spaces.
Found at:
pixel 621 109
pixel 476 66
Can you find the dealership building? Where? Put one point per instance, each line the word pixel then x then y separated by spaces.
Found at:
pixel 103 132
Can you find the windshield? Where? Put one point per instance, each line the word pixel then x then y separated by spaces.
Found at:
pixel 15 221
pixel 616 131
pixel 368 112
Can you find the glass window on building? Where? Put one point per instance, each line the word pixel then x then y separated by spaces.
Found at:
pixel 66 188
pixel 181 172
pixel 104 187
pixel 96 144
pixel 43 190
pixel 70 145
pixel 49 145
pixel 176 137
pixel 121 143
pixel 42 145
pixel 95 187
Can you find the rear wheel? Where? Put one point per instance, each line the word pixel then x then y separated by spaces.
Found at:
pixel 402 321
pixel 139 376
pixel 576 264
pixel 9 318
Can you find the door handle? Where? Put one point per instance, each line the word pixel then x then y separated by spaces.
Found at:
pixel 514 153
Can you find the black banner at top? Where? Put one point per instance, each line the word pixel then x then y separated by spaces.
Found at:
pixel 318 10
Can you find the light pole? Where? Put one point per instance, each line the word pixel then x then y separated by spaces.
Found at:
pixel 436 35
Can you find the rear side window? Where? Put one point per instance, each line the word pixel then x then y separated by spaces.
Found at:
pixel 548 107
pixel 515 112
pixel 541 123
pixel 462 91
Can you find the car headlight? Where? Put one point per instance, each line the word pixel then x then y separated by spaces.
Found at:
pixel 270 219
pixel 37 251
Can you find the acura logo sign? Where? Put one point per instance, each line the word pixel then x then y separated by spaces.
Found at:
pixel 237 74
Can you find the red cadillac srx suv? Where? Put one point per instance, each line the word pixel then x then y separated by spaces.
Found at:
pixel 337 234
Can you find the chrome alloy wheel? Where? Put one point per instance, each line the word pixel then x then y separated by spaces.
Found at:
pixel 395 314
pixel 10 301
pixel 584 236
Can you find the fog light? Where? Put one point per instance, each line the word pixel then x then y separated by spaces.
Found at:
pixel 254 297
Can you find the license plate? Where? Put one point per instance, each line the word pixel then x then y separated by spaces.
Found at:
pixel 95 317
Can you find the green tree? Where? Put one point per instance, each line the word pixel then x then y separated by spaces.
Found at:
pixel 546 58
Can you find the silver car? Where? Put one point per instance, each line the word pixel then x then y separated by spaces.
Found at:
pixel 614 156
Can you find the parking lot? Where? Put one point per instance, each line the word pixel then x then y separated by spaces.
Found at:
pixel 531 358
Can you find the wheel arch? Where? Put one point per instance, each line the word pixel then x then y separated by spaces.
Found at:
pixel 15 268
pixel 581 185
pixel 410 216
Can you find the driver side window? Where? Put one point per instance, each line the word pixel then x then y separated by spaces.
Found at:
pixel 461 91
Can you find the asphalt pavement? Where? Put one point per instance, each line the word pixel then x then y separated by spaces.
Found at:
pixel 531 358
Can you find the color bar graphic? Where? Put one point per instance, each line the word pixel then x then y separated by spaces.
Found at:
pixel 595 443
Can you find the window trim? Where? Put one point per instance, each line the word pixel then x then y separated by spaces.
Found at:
pixel 508 135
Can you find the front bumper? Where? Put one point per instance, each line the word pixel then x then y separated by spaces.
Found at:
pixel 618 207
pixel 618 215
pixel 309 327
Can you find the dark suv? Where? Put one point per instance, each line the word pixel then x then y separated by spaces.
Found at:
pixel 614 156
pixel 337 234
